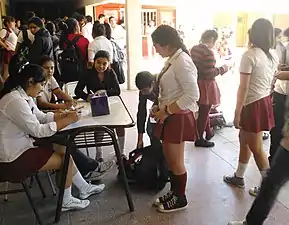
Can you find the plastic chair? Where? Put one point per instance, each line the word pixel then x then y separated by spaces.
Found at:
pixel 26 189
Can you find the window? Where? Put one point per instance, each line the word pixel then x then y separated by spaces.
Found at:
pixel 148 15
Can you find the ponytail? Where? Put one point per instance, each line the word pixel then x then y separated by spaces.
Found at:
pixel 21 78
pixel 184 47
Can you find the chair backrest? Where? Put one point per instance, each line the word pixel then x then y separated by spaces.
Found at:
pixel 69 88
pixel 93 136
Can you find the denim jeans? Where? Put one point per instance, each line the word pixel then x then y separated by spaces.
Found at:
pixel 83 163
pixel 276 132
pixel 150 132
pixel 277 177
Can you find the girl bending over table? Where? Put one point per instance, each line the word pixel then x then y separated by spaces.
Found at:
pixel 22 123
pixel 101 77
pixel 46 99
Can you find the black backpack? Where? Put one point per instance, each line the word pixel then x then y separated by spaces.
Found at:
pixel 146 168
pixel 20 59
pixel 118 62
pixel 71 62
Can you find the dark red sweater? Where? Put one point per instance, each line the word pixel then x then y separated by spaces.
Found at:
pixel 205 62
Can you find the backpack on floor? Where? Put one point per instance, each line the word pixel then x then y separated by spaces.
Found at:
pixel 217 119
pixel 146 168
pixel 71 61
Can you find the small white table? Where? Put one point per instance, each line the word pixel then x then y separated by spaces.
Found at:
pixel 119 116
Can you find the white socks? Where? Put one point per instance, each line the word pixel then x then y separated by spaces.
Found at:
pixel 79 182
pixel 241 170
pixel 67 196
pixel 121 141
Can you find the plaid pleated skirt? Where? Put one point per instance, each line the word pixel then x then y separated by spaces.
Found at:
pixel 27 164
pixel 177 128
pixel 209 92
pixel 258 116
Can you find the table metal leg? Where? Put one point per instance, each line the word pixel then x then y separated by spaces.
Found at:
pixel 62 184
pixel 123 175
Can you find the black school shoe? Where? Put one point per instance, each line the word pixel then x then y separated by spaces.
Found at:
pixel 173 204
pixel 204 144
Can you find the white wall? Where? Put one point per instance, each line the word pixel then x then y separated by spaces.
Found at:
pixel 89 11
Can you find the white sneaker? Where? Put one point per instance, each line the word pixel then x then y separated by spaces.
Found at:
pixel 100 171
pixel 75 204
pixel 105 166
pixel 237 223
pixel 92 190
pixel 254 191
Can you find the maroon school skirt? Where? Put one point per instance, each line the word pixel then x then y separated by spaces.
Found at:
pixel 7 55
pixel 178 128
pixel 209 92
pixel 25 165
pixel 258 116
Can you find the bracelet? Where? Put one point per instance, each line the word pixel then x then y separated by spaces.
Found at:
pixel 167 111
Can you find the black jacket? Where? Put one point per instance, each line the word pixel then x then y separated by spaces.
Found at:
pixel 42 45
pixel 91 81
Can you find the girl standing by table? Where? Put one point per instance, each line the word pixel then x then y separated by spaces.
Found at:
pixel 21 123
pixel 205 61
pixel 254 111
pixel 175 112
pixel 101 77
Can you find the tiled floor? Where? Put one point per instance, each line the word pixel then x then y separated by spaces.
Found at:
pixel 211 201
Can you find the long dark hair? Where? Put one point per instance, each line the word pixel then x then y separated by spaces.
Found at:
pixel 107 31
pixel 20 79
pixel 69 27
pixel 166 35
pixel 98 30
pixel 7 20
pixel 261 35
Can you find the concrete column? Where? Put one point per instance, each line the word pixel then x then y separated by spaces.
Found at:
pixel 89 11
pixel 133 40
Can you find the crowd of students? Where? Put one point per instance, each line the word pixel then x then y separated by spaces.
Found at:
pixel 183 94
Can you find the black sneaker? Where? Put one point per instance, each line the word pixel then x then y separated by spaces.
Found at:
pixel 209 137
pixel 174 204
pixel 164 198
pixel 204 144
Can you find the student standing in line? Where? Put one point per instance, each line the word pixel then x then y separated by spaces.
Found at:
pixel 205 61
pixel 175 112
pixel 254 112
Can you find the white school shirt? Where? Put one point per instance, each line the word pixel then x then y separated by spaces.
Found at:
pixel 11 40
pixel 99 43
pixel 262 70
pixel 29 35
pixel 87 31
pixel 19 120
pixel 46 93
pixel 179 83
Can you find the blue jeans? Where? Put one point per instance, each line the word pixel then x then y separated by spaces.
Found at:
pixel 150 132
pixel 277 177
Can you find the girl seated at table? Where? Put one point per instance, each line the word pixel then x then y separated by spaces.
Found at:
pixel 22 122
pixel 101 77
pixel 46 98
